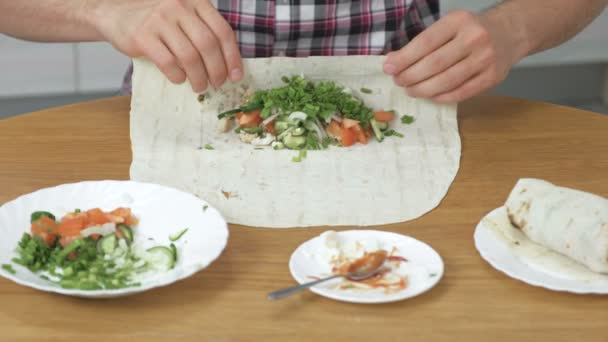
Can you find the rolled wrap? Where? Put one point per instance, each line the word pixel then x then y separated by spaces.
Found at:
pixel 568 221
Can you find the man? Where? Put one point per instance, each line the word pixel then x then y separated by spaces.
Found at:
pixel 447 60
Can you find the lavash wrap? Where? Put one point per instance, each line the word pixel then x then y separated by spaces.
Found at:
pixel 571 222
pixel 377 183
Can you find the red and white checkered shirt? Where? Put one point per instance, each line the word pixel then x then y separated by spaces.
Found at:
pixel 300 28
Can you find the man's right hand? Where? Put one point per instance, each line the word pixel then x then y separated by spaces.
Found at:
pixel 186 39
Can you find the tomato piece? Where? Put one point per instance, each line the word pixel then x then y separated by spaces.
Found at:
pixel 361 136
pixel 72 226
pixel 384 116
pixel 349 123
pixel 270 128
pixel 44 224
pixel 334 129
pixel 250 119
pixel 348 137
pixel 96 217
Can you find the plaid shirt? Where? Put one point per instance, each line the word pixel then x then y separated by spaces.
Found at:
pixel 300 28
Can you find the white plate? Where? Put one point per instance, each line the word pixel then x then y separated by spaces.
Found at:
pixel 508 250
pixel 162 211
pixel 423 269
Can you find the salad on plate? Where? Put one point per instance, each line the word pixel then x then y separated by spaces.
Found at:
pixel 90 250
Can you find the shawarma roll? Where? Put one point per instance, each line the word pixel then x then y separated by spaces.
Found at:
pixel 568 221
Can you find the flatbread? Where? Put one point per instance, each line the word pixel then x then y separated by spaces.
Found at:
pixel 567 221
pixel 378 183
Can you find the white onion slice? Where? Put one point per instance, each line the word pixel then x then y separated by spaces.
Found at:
pixel 103 230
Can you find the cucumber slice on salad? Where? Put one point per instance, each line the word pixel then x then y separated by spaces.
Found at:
pixel 126 231
pixel 107 244
pixel 161 258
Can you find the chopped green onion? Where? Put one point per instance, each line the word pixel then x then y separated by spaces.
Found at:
pixel 229 113
pixel 208 147
pixel 407 119
pixel 178 235
pixel 8 268
pixel 392 132
pixel 366 90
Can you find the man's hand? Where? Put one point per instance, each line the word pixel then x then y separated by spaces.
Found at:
pixel 459 56
pixel 184 38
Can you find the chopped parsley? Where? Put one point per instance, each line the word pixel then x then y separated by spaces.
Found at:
pixel 209 147
pixel 366 90
pixel 407 119
pixel 392 132
pixel 9 268
pixel 205 207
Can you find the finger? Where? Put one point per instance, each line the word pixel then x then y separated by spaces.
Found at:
pixel 154 49
pixel 187 56
pixel 451 78
pixel 433 64
pixel 471 87
pixel 208 47
pixel 426 42
pixel 225 36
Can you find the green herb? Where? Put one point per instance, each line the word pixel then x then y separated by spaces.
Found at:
pixel 285 79
pixel 178 235
pixel 44 277
pixel 209 147
pixel 201 98
pixel 366 90
pixel 253 130
pixel 76 210
pixel 432 275
pixel 9 268
pixel 36 215
pixel 258 148
pixel 301 155
pixel 229 113
pixel 205 207
pixel 392 132
pixel 407 119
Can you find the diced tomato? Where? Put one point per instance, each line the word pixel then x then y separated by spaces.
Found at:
pixel 123 215
pixel 361 136
pixel 348 137
pixel 349 123
pixel 46 229
pixel 72 226
pixel 384 116
pixel 250 119
pixel 96 217
pixel 334 129
pixel 270 128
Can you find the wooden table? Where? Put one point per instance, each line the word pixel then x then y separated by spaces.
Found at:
pixel 503 139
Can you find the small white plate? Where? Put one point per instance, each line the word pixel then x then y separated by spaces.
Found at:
pixel 423 269
pixel 162 211
pixel 508 250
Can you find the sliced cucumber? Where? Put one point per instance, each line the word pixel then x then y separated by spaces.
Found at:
pixel 178 235
pixel 127 232
pixel 280 126
pixel 383 126
pixel 174 250
pixel 377 132
pixel 294 142
pixel 107 244
pixel 161 258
